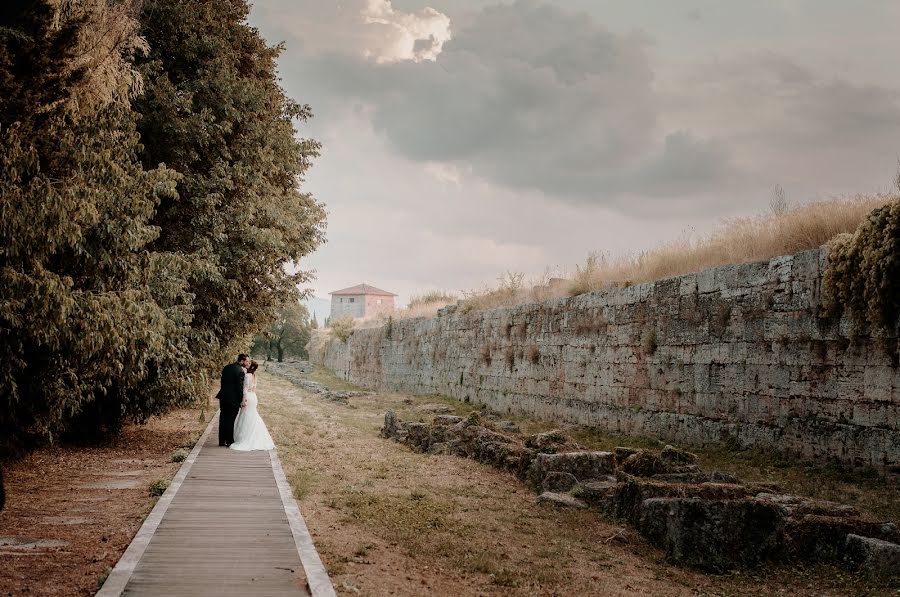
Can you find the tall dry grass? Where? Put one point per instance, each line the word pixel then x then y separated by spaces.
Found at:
pixel 784 230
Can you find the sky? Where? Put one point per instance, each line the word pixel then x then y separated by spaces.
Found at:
pixel 462 139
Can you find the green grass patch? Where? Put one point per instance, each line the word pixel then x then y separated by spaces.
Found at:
pixel 158 487
pixel 303 482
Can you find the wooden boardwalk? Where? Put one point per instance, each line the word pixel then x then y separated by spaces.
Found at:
pixel 227 525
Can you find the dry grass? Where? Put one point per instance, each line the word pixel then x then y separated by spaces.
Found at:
pixel 387 520
pixel 783 231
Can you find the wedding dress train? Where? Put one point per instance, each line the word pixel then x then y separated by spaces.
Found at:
pixel 250 432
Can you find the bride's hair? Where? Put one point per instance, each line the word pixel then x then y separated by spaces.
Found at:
pixel 253 366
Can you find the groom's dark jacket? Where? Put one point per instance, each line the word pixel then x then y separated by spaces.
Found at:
pixel 232 390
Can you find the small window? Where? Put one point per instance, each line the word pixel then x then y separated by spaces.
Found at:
pixel 352 299
pixel 342 300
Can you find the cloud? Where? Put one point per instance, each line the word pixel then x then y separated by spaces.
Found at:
pixel 532 97
pixel 787 123
pixel 404 36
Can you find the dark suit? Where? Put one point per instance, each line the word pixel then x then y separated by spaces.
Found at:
pixel 231 395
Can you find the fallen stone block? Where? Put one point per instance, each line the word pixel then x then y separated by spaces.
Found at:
pixel 632 492
pixel 677 457
pixel 598 493
pixel 447 420
pixel 798 506
pixel 391 424
pixel 712 535
pixel 417 435
pixel 561 499
pixel 875 558
pixel 548 442
pixel 817 538
pixel 582 465
pixel 623 452
pixel 645 464
pixel 559 482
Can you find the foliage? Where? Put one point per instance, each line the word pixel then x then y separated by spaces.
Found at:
pixel 89 317
pixel 289 334
pixel 143 238
pixel 434 296
pixel 213 110
pixel 863 275
pixel 158 487
pixel 342 328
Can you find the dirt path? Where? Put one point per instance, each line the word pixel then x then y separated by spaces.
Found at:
pixel 71 511
pixel 390 521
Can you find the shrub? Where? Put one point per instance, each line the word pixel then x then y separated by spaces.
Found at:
pixel 179 455
pixel 158 487
pixel 863 275
pixel 342 328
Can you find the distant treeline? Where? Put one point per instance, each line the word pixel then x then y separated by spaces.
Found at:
pixel 149 201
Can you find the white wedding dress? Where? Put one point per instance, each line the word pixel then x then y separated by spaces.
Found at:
pixel 250 432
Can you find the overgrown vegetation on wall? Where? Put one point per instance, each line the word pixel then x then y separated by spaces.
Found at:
pixel 148 204
pixel 863 276
pixel 784 230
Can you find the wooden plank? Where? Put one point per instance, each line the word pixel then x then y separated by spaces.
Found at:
pixel 225 532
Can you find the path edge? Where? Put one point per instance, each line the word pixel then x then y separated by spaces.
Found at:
pixel 124 568
pixel 316 576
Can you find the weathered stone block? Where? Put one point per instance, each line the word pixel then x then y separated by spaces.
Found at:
pixel 582 465
pixel 710 534
pixel 561 499
pixel 875 558
pixel 559 482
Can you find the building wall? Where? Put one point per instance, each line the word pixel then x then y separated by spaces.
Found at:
pixel 341 306
pixel 735 354
pixel 376 305
pixel 363 305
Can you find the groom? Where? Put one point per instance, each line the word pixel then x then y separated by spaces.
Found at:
pixel 230 396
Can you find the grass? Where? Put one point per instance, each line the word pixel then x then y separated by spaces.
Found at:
pixel 158 487
pixel 783 231
pixel 391 521
pixel 179 455
pixel 330 380
pixel 303 482
pixel 863 488
pixel 101 580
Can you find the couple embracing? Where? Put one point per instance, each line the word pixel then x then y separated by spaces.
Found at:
pixel 240 426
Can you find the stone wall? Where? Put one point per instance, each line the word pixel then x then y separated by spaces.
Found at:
pixel 735 354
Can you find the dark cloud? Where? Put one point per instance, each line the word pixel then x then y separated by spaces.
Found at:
pixel 533 97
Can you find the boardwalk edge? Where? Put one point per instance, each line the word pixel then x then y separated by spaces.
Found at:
pixel 124 568
pixel 316 575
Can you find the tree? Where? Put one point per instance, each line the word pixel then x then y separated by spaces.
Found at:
pixel 289 334
pixel 213 111
pixel 314 324
pixel 89 313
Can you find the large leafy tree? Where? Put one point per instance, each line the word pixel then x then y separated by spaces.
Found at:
pixel 89 315
pixel 288 334
pixel 213 110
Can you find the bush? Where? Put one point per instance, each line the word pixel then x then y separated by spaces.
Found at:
pixel 342 328
pixel 157 488
pixel 179 455
pixel 863 275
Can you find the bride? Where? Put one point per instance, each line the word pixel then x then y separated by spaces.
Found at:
pixel 250 432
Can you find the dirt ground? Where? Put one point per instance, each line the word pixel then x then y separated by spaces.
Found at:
pixel 388 521
pixel 71 511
